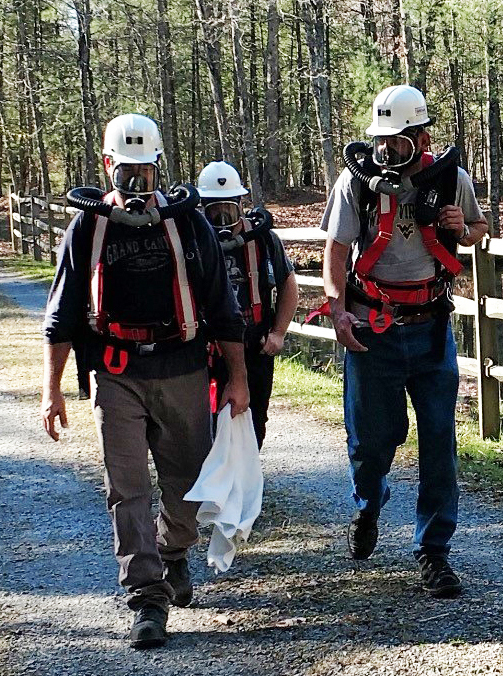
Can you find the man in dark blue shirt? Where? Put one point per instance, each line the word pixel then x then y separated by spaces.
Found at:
pixel 144 300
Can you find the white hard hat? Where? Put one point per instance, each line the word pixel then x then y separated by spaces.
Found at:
pixel 219 179
pixel 132 139
pixel 397 108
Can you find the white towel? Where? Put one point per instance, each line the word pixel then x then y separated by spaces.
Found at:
pixel 229 487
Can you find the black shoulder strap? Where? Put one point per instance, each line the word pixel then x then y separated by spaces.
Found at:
pixel 446 184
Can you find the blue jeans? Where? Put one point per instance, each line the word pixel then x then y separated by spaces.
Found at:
pixel 375 385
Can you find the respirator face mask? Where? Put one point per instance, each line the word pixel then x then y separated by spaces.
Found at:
pixel 136 179
pixel 394 152
pixel 222 214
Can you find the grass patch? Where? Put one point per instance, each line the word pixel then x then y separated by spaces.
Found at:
pixel 299 387
pixel 21 368
pixel 41 270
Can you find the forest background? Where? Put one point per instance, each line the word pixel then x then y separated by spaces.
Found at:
pixel 276 87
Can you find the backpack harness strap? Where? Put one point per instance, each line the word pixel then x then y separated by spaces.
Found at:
pixel 139 338
pixel 252 258
pixel 389 295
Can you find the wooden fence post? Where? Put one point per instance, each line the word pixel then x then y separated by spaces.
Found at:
pixel 50 223
pixel 484 279
pixel 22 225
pixel 35 216
pixel 13 238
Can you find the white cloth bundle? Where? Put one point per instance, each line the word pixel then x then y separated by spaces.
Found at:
pixel 229 487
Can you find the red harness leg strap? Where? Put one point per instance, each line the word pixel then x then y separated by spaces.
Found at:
pixel 108 358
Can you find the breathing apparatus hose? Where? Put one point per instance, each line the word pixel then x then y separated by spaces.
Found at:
pixel 382 184
pixel 182 199
pixel 262 222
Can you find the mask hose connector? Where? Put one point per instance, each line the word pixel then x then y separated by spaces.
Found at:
pixel 182 199
pixel 380 184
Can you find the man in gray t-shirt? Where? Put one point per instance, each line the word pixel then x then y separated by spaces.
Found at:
pixel 394 322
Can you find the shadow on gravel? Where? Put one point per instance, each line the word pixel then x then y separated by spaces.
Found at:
pixel 56 536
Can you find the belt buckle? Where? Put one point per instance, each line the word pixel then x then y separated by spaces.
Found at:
pixel 146 348
pixel 397 319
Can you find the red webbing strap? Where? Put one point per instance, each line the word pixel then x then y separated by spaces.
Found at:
pixel 438 251
pixel 323 311
pixel 386 210
pixel 380 321
pixel 429 235
pixel 213 395
pixel 108 358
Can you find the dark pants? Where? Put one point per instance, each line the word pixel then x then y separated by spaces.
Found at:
pixel 260 368
pixel 171 417
pixel 375 384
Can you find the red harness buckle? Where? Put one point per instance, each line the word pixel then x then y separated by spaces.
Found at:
pixel 129 333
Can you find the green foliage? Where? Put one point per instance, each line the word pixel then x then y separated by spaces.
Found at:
pixel 126 59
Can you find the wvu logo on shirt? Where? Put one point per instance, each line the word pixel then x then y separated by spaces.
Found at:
pixel 405 219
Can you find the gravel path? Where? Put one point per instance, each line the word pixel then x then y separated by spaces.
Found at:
pixel 293 603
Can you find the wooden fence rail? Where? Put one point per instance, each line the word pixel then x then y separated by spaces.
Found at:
pixel 37 223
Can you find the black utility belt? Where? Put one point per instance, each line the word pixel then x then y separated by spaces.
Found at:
pixel 144 349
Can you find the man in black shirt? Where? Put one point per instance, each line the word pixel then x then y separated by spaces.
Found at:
pixel 145 299
pixel 258 269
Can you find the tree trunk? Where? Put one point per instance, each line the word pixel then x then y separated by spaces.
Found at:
pixel 306 163
pixel 244 108
pixel 314 22
pixel 83 19
pixel 369 22
pixel 408 47
pixel 493 119
pixel 31 75
pixel 397 42
pixel 168 101
pixel 428 42
pixel 272 169
pixel 459 119
pixel 212 53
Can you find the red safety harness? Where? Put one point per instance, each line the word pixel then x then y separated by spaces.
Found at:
pixel 391 294
pixel 148 335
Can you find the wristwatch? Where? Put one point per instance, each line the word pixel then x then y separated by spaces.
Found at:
pixel 466 232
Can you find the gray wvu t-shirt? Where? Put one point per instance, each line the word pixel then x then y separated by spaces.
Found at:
pixel 405 259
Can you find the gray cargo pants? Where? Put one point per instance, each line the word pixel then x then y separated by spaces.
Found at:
pixel 172 418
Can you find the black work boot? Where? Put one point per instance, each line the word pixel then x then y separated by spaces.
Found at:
pixel 438 577
pixel 178 575
pixel 362 535
pixel 149 627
